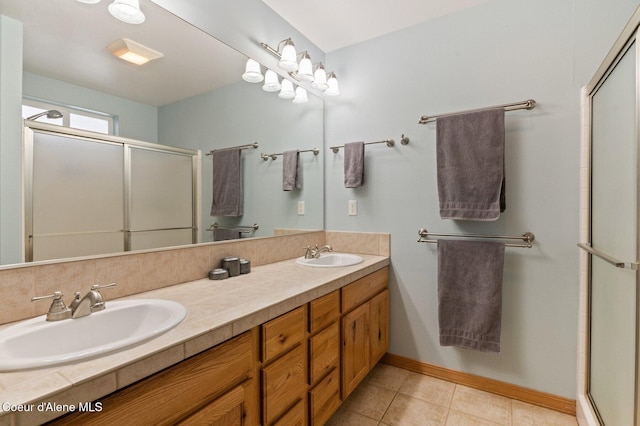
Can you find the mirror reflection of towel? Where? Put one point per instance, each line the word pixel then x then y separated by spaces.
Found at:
pixel 291 170
pixel 225 234
pixel 353 164
pixel 228 197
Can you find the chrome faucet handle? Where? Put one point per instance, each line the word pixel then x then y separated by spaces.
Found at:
pixel 99 302
pixel 100 287
pixel 58 310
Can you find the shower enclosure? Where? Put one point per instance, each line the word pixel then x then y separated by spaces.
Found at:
pixel 87 193
pixel 612 311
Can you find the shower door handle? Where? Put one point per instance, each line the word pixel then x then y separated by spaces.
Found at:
pixel 612 260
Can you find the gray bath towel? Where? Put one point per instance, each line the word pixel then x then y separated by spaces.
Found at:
pixel 225 234
pixel 470 293
pixel 353 164
pixel 291 170
pixel 470 159
pixel 228 197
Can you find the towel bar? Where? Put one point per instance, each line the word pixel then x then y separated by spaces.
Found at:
pixel 527 237
pixel 404 140
pixel 265 157
pixel 242 228
pixel 251 145
pixel 528 104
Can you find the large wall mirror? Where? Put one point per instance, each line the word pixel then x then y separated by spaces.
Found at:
pixel 192 97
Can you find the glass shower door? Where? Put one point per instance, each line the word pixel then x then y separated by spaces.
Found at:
pixel 614 232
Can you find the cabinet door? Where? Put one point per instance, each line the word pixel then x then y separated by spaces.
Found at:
pixel 355 348
pixel 324 352
pixel 378 327
pixel 228 410
pixel 284 383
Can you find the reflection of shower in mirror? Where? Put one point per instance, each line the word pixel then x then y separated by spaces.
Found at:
pixel 51 114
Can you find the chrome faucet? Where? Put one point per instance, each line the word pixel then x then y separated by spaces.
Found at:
pixel 314 252
pixel 91 302
pixel 79 307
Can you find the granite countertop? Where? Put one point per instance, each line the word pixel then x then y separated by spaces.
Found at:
pixel 217 311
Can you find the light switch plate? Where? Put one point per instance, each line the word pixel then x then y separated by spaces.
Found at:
pixel 301 208
pixel 353 207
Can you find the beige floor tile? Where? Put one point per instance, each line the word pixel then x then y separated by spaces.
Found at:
pixel 387 376
pixel 428 389
pixel 408 411
pixel 482 404
pixel 456 418
pixel 530 415
pixel 343 417
pixel 369 400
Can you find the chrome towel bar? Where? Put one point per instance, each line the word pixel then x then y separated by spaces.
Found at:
pixel 404 140
pixel 612 260
pixel 242 228
pixel 265 157
pixel 251 145
pixel 528 104
pixel 527 237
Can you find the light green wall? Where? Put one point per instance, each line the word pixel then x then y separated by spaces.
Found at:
pixel 499 52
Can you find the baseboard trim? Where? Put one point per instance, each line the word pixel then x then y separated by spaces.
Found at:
pixel 530 396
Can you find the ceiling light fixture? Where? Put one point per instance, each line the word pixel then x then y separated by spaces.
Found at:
pixel 133 52
pixel 303 72
pixel 127 11
pixel 252 72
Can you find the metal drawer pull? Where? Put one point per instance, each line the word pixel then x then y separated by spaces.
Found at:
pixel 615 262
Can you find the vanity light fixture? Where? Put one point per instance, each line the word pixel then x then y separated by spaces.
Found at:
pixel 286 91
pixel 127 11
pixel 252 72
pixel 301 96
pixel 303 72
pixel 133 52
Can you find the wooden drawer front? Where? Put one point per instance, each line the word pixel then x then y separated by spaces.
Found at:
pixel 324 399
pixel 172 394
pixel 364 289
pixel 283 384
pixel 228 410
pixel 282 333
pixel 324 311
pixel 378 327
pixel 324 352
pixel 294 417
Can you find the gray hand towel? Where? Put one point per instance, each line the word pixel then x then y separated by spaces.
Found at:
pixel 225 234
pixel 470 159
pixel 228 197
pixel 353 164
pixel 291 171
pixel 470 293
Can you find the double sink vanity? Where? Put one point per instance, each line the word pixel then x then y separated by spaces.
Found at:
pixel 284 344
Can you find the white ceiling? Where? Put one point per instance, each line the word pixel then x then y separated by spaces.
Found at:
pixel 332 24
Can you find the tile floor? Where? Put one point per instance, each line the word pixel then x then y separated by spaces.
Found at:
pixel 394 396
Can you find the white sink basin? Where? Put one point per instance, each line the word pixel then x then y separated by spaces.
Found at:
pixel 331 260
pixel 39 343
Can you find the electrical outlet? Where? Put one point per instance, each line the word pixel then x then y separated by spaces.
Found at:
pixel 353 207
pixel 301 208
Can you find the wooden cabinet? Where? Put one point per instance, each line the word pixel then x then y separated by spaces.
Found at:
pixel 218 386
pixel 365 327
pixel 284 368
pixel 324 398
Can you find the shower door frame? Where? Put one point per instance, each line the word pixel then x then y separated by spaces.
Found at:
pixel 628 36
pixel 31 127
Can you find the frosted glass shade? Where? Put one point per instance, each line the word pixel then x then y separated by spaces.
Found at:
pixel 320 79
pixel 332 83
pixel 305 70
pixel 286 91
pixel 271 83
pixel 252 72
pixel 89 1
pixel 301 96
pixel 127 11
pixel 288 60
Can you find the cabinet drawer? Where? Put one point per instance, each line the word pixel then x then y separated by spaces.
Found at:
pixel 324 352
pixel 282 333
pixel 324 399
pixel 283 382
pixel 324 311
pixel 294 417
pixel 364 289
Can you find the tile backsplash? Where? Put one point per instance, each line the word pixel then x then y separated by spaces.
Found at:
pixel 149 270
